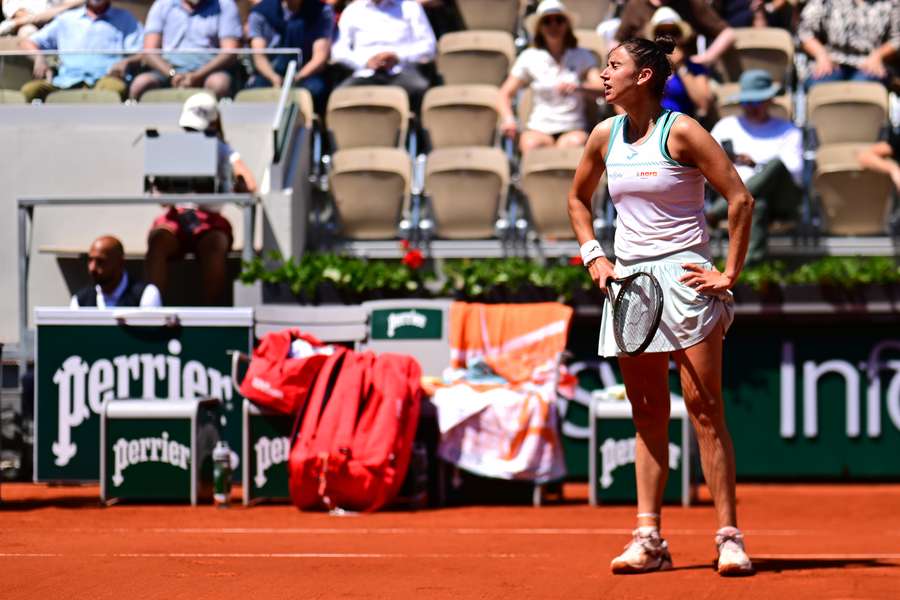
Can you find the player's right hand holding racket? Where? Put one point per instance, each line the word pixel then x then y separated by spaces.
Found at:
pixel 601 269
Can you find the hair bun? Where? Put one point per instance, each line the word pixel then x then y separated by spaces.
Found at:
pixel 666 43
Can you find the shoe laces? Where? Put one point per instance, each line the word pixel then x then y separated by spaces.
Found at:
pixel 651 542
pixel 729 535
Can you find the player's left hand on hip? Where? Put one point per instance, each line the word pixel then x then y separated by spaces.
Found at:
pixel 705 281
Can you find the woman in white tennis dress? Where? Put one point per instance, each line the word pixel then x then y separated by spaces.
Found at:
pixel 656 161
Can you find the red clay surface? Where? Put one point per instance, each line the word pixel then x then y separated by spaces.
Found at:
pixel 823 541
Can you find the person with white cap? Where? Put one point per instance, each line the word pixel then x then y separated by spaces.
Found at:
pixel 203 230
pixel 562 77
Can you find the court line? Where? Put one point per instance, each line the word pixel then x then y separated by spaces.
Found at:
pixel 419 531
pixel 826 556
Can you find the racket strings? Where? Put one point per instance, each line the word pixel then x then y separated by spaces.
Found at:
pixel 636 314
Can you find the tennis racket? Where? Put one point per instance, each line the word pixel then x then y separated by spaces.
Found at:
pixel 637 309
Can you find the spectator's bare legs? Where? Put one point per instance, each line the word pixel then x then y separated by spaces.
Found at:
pixel 572 139
pixel 531 139
pixel 143 83
pixel 701 385
pixel 646 379
pixel 212 249
pixel 219 83
pixel 162 246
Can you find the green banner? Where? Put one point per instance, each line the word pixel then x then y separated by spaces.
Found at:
pixel 148 459
pixel 269 447
pixel 407 324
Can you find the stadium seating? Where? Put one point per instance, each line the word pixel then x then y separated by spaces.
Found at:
pixel 847 111
pixel 590 13
pixel 475 57
pixel 83 96
pixel 467 188
pixel 368 115
pixel 177 95
pixel 854 201
pixel 593 41
pixel 460 115
pixel 501 15
pixel 768 48
pixel 299 95
pixel 546 178
pixel 11 97
pixel 782 106
pixel 371 190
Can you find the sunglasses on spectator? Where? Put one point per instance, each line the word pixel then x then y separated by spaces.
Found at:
pixel 554 20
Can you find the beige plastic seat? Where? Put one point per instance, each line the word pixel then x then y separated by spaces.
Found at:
pixel 768 48
pixel 368 116
pixel 854 201
pixel 83 96
pixel 782 106
pixel 590 13
pixel 546 178
pixel 501 15
pixel 460 115
pixel 15 71
pixel 12 97
pixel 370 187
pixel 593 41
pixel 178 95
pixel 847 111
pixel 467 187
pixel 300 95
pixel 475 57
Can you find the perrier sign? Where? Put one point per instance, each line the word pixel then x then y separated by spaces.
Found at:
pixel 87 357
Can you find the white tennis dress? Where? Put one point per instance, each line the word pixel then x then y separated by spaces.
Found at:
pixel 660 226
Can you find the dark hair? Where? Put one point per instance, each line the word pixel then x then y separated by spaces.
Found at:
pixel 654 56
pixel 570 40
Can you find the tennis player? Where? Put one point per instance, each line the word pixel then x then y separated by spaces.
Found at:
pixel 656 161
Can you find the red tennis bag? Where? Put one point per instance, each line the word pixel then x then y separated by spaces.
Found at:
pixel 276 381
pixel 353 446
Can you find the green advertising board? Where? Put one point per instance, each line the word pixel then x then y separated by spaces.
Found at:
pixel 86 357
pixel 407 324
pixel 267 447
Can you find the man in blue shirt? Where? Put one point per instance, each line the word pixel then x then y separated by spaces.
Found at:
pixel 190 25
pixel 97 26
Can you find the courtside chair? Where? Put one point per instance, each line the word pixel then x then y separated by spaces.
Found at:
pixel 368 116
pixel 591 13
pixel 83 96
pixel 370 187
pixel 176 95
pixel 12 97
pixel 499 15
pixel 768 48
pixel 475 57
pixel 853 200
pixel 546 176
pixel 847 111
pixel 467 188
pixel 782 106
pixel 460 115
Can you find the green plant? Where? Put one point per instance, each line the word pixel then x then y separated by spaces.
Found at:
pixel 847 272
pixel 474 279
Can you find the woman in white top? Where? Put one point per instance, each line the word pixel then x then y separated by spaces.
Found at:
pixel 656 161
pixel 561 76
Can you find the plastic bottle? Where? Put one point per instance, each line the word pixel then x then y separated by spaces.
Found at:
pixel 222 474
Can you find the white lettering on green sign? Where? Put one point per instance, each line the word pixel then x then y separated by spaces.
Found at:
pixel 409 318
pixel 154 449
pixel 82 388
pixel 269 452
pixel 618 453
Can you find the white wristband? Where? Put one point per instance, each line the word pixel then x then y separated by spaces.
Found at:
pixel 590 250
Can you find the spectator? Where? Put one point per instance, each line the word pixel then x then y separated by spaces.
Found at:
pixel 190 25
pixel 304 24
pixel 112 285
pixel 384 42
pixel 768 155
pixel 699 15
pixel 97 26
pixel 24 17
pixel 882 157
pixel 443 16
pixel 561 76
pixel 687 90
pixel 756 13
pixel 202 230
pixel 849 40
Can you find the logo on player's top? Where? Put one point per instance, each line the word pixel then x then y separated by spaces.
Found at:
pixel 632 153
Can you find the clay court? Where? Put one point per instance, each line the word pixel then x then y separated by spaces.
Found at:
pixel 810 541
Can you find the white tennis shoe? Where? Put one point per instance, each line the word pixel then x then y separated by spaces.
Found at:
pixel 646 552
pixel 732 559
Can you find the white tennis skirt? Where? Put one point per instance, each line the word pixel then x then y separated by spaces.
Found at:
pixel 688 316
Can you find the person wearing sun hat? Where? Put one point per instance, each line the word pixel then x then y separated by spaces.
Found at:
pixel 562 77
pixel 768 155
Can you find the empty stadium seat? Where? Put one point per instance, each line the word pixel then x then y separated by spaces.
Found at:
pixel 593 41
pixel 502 15
pixel 854 201
pixel 12 97
pixel 177 95
pixel 460 115
pixel 467 187
pixel 546 178
pixel 368 115
pixel 83 96
pixel 847 111
pixel 371 189
pixel 782 106
pixel 475 57
pixel 591 13
pixel 299 95
pixel 768 48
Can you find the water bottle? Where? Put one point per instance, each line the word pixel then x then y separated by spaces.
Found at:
pixel 222 474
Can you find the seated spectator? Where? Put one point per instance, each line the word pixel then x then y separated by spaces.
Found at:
pixel 687 90
pixel 97 26
pixel 849 40
pixel 698 13
pixel 443 16
pixel 191 228
pixel 882 157
pixel 24 17
pixel 190 25
pixel 384 42
pixel 112 285
pixel 561 76
pixel 304 24
pixel 768 155
pixel 756 13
